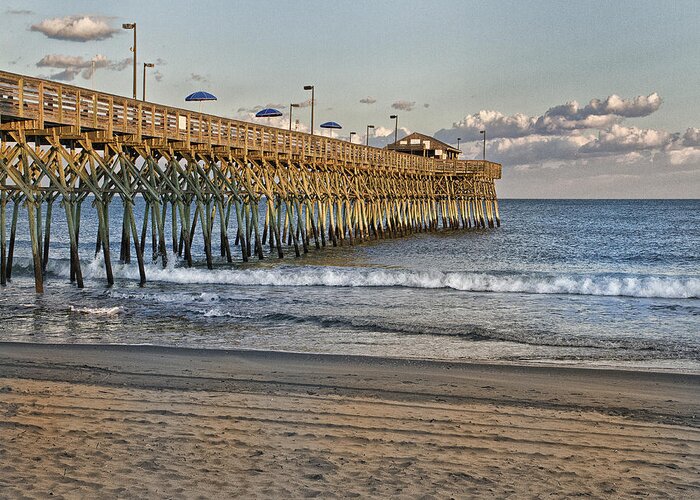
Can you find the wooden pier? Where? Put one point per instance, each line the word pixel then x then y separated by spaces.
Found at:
pixel 60 143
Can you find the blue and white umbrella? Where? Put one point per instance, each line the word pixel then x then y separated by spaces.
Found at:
pixel 331 125
pixel 200 96
pixel 268 113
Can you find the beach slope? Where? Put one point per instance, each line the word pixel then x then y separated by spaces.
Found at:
pixel 105 421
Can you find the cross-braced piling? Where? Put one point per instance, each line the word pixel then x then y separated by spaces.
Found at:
pixel 65 144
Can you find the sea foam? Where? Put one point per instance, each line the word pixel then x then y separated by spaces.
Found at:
pixel 97 311
pixel 644 286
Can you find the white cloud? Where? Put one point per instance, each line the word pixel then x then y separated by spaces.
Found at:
pixel 381 136
pixel 196 77
pixel 74 65
pixel 628 147
pixel 248 115
pixel 495 123
pixel 621 139
pixel 62 61
pixel 76 28
pixel 382 131
pixel 582 151
pixel 597 114
pixel 534 149
pixel 258 107
pixel 628 108
pixel 67 75
pixel 356 138
pixel 563 119
pixel 631 158
pixel 571 134
pixel 562 124
pixel 684 156
pixel 624 144
pixel 404 105
pixel 120 65
pixel 19 12
pixel 612 105
pixel 691 138
pixel 368 100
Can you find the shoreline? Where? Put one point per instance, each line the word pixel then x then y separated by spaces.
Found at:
pixel 76 363
pixel 600 365
pixel 86 420
pixel 556 365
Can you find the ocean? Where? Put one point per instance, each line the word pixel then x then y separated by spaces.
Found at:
pixel 581 282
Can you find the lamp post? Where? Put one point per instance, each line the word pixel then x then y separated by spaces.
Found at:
pixel 484 134
pixel 291 107
pixel 460 151
pixel 367 138
pixel 145 65
pixel 132 26
pixel 311 88
pixel 396 126
pixel 351 134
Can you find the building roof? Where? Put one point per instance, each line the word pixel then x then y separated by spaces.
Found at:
pixel 434 143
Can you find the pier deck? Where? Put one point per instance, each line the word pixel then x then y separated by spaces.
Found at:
pixel 64 143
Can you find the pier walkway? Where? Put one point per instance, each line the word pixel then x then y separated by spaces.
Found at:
pixel 261 185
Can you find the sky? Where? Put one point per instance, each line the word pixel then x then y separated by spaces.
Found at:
pixel 586 99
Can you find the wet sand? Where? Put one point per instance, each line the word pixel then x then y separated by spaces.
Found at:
pixel 119 421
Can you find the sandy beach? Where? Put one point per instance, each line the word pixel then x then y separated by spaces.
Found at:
pixel 150 422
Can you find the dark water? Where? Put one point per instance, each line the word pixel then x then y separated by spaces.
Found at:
pixel 614 283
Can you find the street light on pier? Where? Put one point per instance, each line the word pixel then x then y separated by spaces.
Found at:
pixel 484 134
pixel 351 134
pixel 132 26
pixel 311 88
pixel 145 65
pixel 291 107
pixel 396 126
pixel 367 138
pixel 460 151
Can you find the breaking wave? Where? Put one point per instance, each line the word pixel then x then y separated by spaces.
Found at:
pixel 643 286
pixel 97 311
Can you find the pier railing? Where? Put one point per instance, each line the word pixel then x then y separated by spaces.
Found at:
pixel 49 104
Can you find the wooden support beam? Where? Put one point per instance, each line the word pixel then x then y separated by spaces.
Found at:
pixel 36 257
pixel 3 238
pixel 76 143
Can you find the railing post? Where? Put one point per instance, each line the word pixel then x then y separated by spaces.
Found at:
pixel 20 96
pixel 139 117
pixel 125 111
pixel 40 90
pixel 77 110
pixel 94 109
pixel 59 91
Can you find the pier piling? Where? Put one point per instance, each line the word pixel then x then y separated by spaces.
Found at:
pixel 268 186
